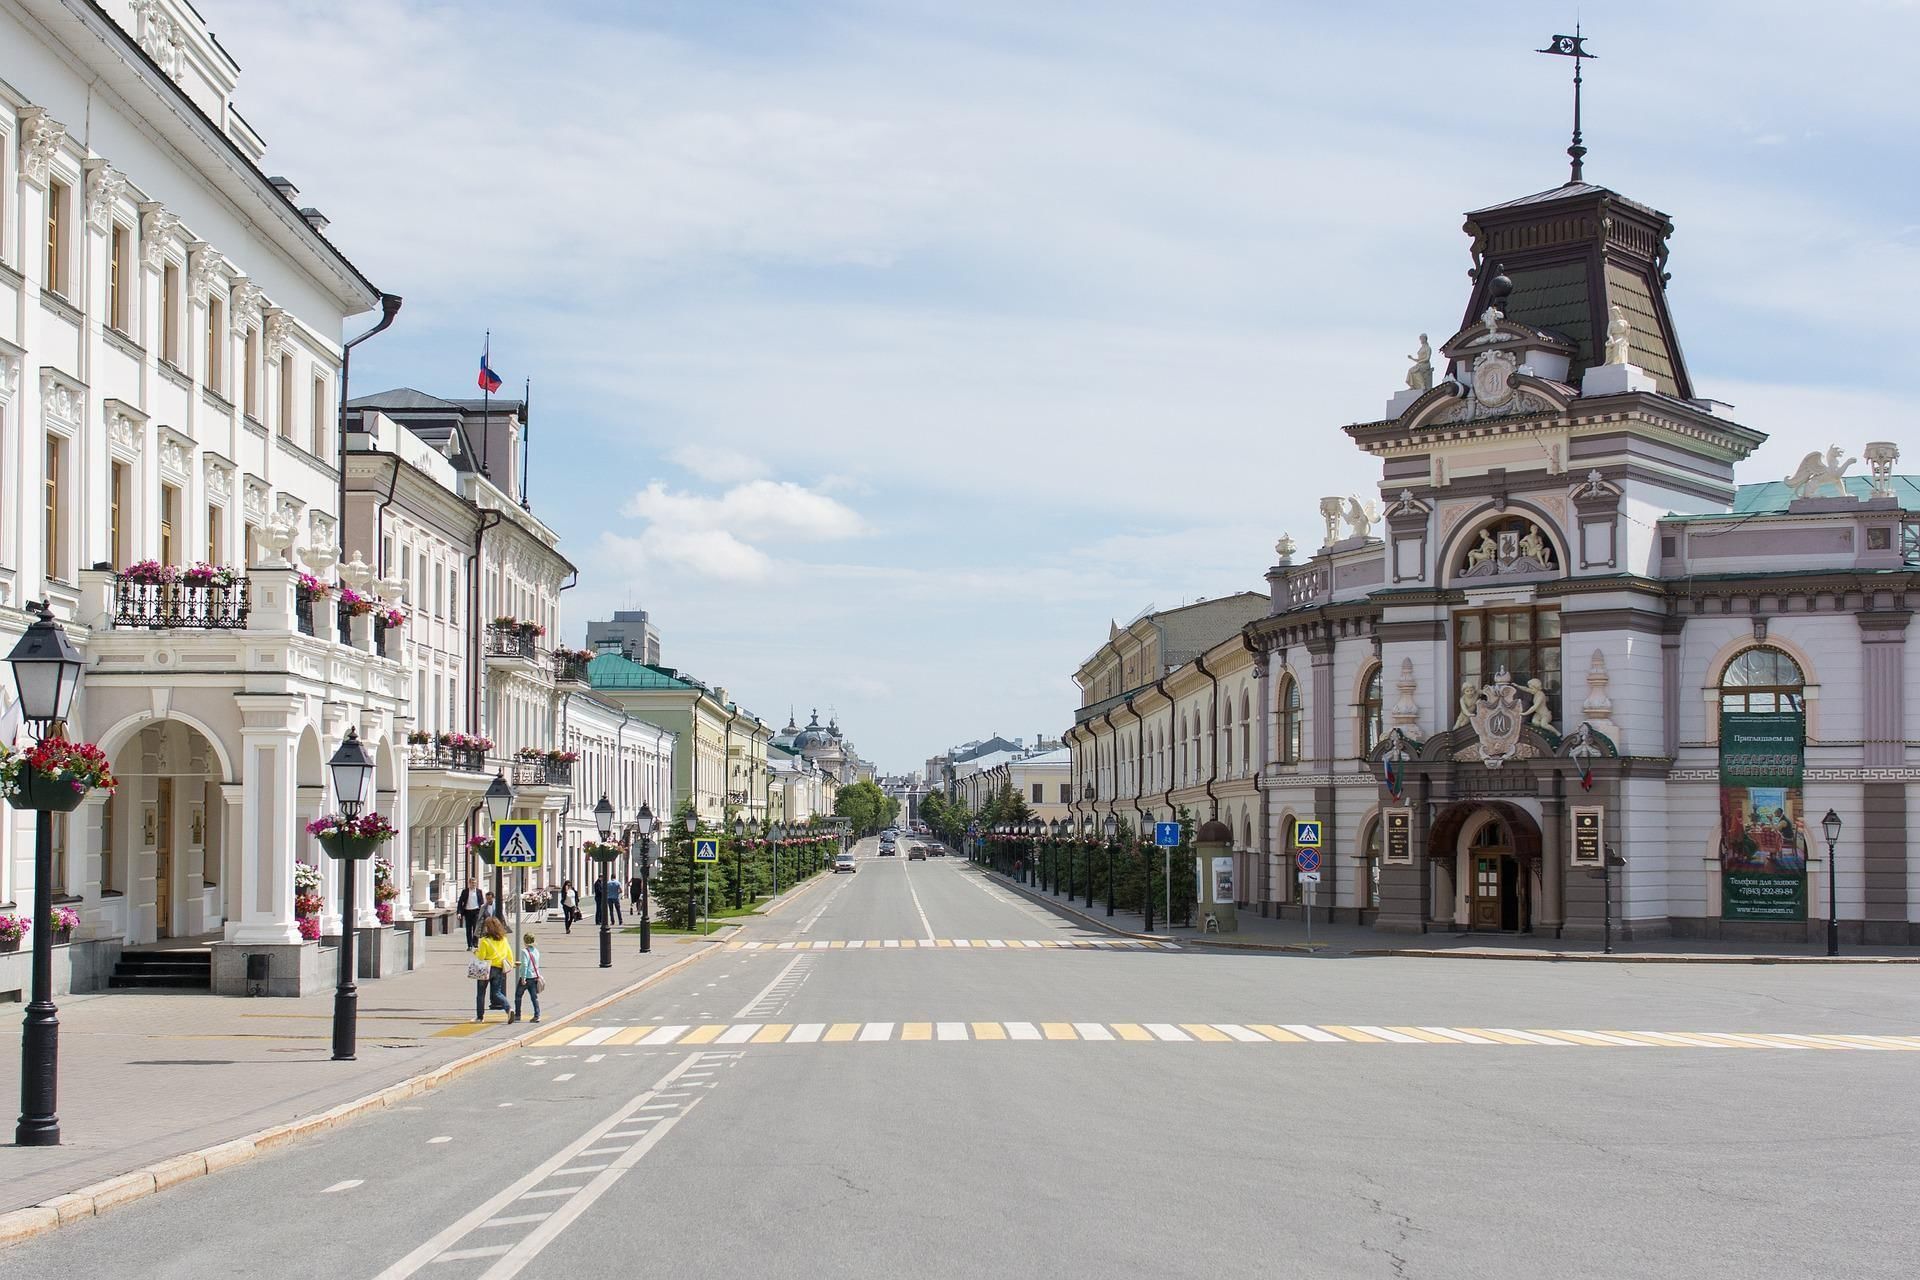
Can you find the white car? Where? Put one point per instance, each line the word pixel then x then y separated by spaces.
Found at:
pixel 843 862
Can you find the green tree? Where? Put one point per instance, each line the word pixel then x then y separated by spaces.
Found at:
pixel 866 805
pixel 677 871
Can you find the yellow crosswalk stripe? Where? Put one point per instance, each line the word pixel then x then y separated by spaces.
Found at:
pixel 463 1029
pixel 1574 1037
pixel 1358 1037
pixel 565 1035
pixel 916 1031
pixel 1131 1031
pixel 1059 1031
pixel 841 1031
pixel 634 1035
pixel 1418 1034
pixel 1498 1037
pixel 772 1033
pixel 1272 1032
pixel 699 1035
pixel 989 1031
pixel 1203 1031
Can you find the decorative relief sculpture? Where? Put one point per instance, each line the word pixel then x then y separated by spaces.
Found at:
pixel 1497 720
pixel 1360 518
pixel 1469 698
pixel 275 327
pixel 61 403
pixel 1539 714
pixel 203 267
pixel 9 378
pixel 219 482
pixel 1330 511
pixel 105 186
pixel 1521 547
pixel 1493 378
pixel 1405 710
pixel 40 136
pixel 1420 375
pixel 157 228
pixel 247 299
pixel 1881 455
pixel 1619 336
pixel 124 432
pixel 1821 476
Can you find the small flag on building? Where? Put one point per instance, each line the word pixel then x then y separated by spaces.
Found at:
pixel 489 381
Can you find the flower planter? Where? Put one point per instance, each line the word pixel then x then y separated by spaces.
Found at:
pixel 40 792
pixel 9 944
pixel 62 936
pixel 350 848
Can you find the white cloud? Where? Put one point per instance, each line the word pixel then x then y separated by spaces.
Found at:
pixel 721 466
pixel 707 553
pixel 758 509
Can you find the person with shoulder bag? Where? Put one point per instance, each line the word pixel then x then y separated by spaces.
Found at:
pixel 488 968
pixel 530 981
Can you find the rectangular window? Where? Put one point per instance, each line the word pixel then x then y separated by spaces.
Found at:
pixel 319 422
pixel 170 314
pixel 169 524
pixel 60 855
pixel 119 268
pixel 249 543
pixel 117 513
pixel 1038 797
pixel 1524 642
pixel 56 264
pixel 439 592
pixel 213 535
pixel 250 375
pixel 1066 792
pixel 109 838
pixel 53 499
pixel 286 396
pixel 216 346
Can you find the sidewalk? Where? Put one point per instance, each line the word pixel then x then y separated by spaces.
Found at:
pixel 1345 940
pixel 147 1076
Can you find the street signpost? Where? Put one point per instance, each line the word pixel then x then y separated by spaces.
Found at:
pixel 517 844
pixel 1308 860
pixel 1166 834
pixel 706 849
pixel 706 852
pixel 1306 833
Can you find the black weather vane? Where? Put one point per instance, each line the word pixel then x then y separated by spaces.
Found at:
pixel 1572 47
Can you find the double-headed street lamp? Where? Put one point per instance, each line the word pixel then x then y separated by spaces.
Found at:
pixel 352 770
pixel 775 834
pixel 643 824
pixel 1831 825
pixel 499 802
pixel 693 829
pixel 603 819
pixel 46 671
pixel 1035 829
pixel 1111 829
pixel 739 863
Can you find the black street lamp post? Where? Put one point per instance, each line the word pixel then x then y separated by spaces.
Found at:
pixel 352 770
pixel 1831 824
pixel 46 672
pixel 603 819
pixel 1146 893
pixel 775 835
pixel 1109 828
pixel 693 829
pixel 643 824
pixel 1088 834
pixel 499 802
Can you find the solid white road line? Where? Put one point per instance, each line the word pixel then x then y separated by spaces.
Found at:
pixel 348 1185
pixel 917 907
pixel 523 1188
pixel 765 991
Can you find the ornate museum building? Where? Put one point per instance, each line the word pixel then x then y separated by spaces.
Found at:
pixel 1564 616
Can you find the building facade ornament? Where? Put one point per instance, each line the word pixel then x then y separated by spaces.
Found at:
pixel 1493 378
pixel 1420 372
pixel 1331 509
pixel 254 500
pixel 287 509
pixel 1619 336
pixel 1820 476
pixel 204 266
pixel 1497 718
pixel 61 403
pixel 105 186
pixel 1360 517
pixel 219 478
pixel 275 326
pixel 176 454
pixel 160 37
pixel 40 137
pixel 125 433
pixel 1405 710
pixel 1881 457
pixel 1284 548
pixel 157 229
pixel 247 302
pixel 1520 548
pixel 9 377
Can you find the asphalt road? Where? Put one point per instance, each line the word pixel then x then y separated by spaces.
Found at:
pixel 912 1106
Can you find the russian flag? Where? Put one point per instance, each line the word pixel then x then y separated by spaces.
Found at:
pixel 489 381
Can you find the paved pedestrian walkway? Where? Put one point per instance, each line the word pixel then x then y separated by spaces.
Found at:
pixel 1294 935
pixel 145 1075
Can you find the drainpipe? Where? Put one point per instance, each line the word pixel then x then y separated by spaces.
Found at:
pixel 1213 747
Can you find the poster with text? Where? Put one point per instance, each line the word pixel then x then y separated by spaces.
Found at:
pixel 1763 827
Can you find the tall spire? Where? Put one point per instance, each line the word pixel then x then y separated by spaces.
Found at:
pixel 1572 47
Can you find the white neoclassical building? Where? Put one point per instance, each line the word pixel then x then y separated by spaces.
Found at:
pixel 170 349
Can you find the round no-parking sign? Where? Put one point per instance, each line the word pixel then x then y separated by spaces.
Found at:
pixel 1308 859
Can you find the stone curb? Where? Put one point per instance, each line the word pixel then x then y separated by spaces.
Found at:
pixel 33 1220
pixel 1447 953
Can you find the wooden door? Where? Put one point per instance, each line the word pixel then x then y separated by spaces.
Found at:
pixel 1483 901
pixel 163 860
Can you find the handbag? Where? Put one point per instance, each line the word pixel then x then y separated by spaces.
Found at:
pixel 540 986
pixel 478 970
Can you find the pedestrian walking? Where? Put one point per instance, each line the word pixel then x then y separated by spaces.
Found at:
pixel 613 898
pixel 600 899
pixel 471 901
pixel 492 911
pixel 569 904
pixel 495 953
pixel 528 980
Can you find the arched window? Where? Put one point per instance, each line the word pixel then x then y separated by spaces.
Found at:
pixel 1762 679
pixel 1370 867
pixel 1371 726
pixel 1246 733
pixel 1227 734
pixel 1291 730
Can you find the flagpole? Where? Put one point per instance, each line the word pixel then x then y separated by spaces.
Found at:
pixel 526 430
pixel 486 401
pixel 1576 151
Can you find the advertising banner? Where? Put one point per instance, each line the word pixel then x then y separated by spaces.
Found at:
pixel 1763 826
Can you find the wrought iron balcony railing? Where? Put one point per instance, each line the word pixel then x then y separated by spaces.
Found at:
pixel 198 606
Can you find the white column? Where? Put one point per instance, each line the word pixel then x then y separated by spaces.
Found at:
pixel 263 906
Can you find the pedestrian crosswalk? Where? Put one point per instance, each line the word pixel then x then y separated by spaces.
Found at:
pixel 789 1033
pixel 964 944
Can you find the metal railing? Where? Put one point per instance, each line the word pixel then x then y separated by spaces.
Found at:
pixel 510 642
pixel 431 755
pixel 566 666
pixel 196 606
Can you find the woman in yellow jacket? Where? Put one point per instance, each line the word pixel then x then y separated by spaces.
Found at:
pixel 496 953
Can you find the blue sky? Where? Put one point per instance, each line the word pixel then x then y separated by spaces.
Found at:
pixel 885 351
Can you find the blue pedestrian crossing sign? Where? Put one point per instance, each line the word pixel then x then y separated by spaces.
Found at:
pixel 518 843
pixel 1166 834
pixel 1306 833
pixel 706 849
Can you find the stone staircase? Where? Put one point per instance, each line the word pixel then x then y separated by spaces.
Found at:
pixel 190 969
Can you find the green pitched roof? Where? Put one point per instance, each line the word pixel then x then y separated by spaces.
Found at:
pixel 612 671
pixel 1772 496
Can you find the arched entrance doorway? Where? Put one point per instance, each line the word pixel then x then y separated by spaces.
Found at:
pixel 164 843
pixel 1488 853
